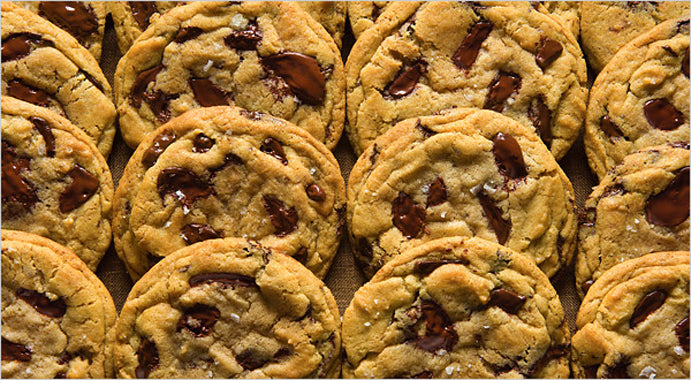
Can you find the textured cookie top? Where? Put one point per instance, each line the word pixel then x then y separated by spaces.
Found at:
pixel 55 183
pixel 634 321
pixel 420 58
pixel 44 65
pixel 131 18
pixel 456 308
pixel 464 172
pixel 330 14
pixel 55 312
pixel 362 14
pixel 223 172
pixel 641 98
pixel 641 206
pixel 261 56
pixel 228 308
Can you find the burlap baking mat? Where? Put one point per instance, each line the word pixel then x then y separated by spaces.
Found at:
pixel 344 278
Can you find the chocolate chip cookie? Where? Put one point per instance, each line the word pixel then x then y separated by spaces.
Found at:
pixel 463 172
pixel 44 65
pixel 634 321
pixel 55 183
pixel 568 12
pixel 641 206
pixel 262 56
pixel 641 98
pixel 228 308
pixel 362 14
pixel 56 313
pixel 456 308
pixel 131 18
pixel 224 172
pixel 330 14
pixel 606 26
pixel 420 58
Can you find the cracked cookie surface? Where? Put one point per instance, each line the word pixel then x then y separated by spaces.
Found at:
pixel 464 172
pixel 456 308
pixel 330 14
pixel 228 308
pixel 131 18
pixel 55 312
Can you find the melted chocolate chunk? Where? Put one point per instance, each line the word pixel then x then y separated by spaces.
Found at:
pixel 83 186
pixel 187 34
pixel 586 285
pixel 619 371
pixel 74 16
pixel 232 279
pixel 301 72
pixel 252 115
pixel 610 129
pixel 19 45
pixel 160 143
pixel 141 82
pixel 202 143
pixel 199 320
pixel 315 193
pixel 194 233
pixel 661 114
pixel 142 12
pixel 670 207
pixel 508 156
pixel 246 39
pixel 502 87
pixel 437 192
pixel 22 91
pixel 184 185
pixel 282 218
pixel 18 194
pixel 646 306
pixel 500 226
pixel 147 355
pixel 682 331
pixel 248 361
pixel 15 351
pixel 42 304
pixel 541 117
pixel 425 267
pixel 508 300
pixel 467 53
pixel 158 102
pixel 406 80
pixel 615 189
pixel 272 147
pixel 407 216
pixel 685 64
pixel 44 129
pixel 439 329
pixel 547 52
pixel 207 93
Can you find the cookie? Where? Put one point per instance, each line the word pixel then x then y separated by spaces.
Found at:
pixel 55 183
pixel 641 98
pixel 131 18
pixel 463 172
pixel 262 56
pixel 634 321
pixel 641 206
pixel 56 313
pixel 227 172
pixel 456 308
pixel 228 308
pixel 362 14
pixel 330 14
pixel 606 26
pixel 84 20
pixel 568 12
pixel 44 65
pixel 420 58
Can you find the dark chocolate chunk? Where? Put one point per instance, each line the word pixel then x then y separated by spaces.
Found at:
pixel 315 193
pixel 282 218
pixel 207 93
pixel 685 64
pixel 246 39
pixel 586 285
pixel 92 80
pixel 619 371
pixel 18 194
pixel 541 117
pixel 141 82
pixel 439 329
pixel 425 267
pixel 407 216
pixel 670 207
pixel 74 16
pixel 425 130
pixel 160 143
pixel 508 156
pixel 502 87
pixel 301 72
pixel 142 12
pixel 437 192
pixel 83 186
pixel 249 361
pixel 42 304
pixel 610 129
pixel 184 185
pixel 20 90
pixel 406 80
pixel 44 129
pixel 61 375
pixel 682 331
pixel 199 320
pixel 646 306
pixel 194 233
pixel 147 355
pixel 158 102
pixel 547 52
pixel 19 45
pixel 252 115
pixel 500 226
pixel 467 53
pixel 232 279
pixel 16 351
pixel 187 34
pixel 661 114
pixel 615 189
pixel 272 147
pixel 508 300
pixel 202 143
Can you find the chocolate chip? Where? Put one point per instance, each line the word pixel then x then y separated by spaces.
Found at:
pixel 610 129
pixel 547 52
pixel 147 355
pixel 586 285
pixel 682 331
pixel 83 186
pixel 407 216
pixel 315 193
pixel 74 16
pixel 614 189
pixel 42 304
pixel 22 91
pixel 44 129
pixel 199 320
pixel 425 267
pixel 252 115
pixel 467 53
pixel 406 80
pixel 375 154
pixel 439 330
pixel 61 375
pixel 15 351
pixel 685 63
pixel 248 361
pixel 141 82
pixel 301 72
pixel 500 226
pixel 19 45
pixel 282 218
pixel 502 87
pixel 142 12
pixel 184 185
pixel 272 147
pixel 246 39
pixel 232 279
pixel 619 371
pixel 202 143
pixel 508 156
pixel 160 143
pixel 437 192
pixel 194 233
pixel 187 34
pixel 670 207
pixel 207 93
pixel 661 114
pixel 18 194
pixel 508 300
pixel 541 117
pixel 679 144
pixel 158 102
pixel 646 306
pixel 425 130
